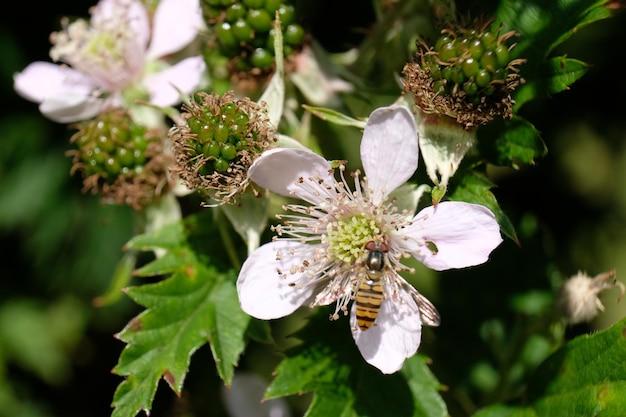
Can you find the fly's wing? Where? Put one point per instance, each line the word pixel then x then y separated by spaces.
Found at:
pixel 428 313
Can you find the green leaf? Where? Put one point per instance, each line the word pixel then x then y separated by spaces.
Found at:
pixel 260 331
pixel 474 188
pixel 229 324
pixel 335 117
pixel 585 378
pixel 121 278
pixel 555 76
pixel 194 305
pixel 542 26
pixel 329 365
pixel 171 236
pixel 274 95
pixel 511 143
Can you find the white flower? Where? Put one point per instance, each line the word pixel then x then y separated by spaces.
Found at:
pixel 320 255
pixel 114 59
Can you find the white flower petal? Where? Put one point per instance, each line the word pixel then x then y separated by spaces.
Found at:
pixel 184 76
pixel 41 80
pixel 176 23
pixel 279 170
pixel 70 107
pixel 263 293
pixel 464 235
pixel 395 335
pixel 389 149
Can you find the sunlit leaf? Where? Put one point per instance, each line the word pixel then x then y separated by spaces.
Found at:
pixel 473 187
pixel 541 27
pixel 121 278
pixel 196 304
pixel 544 25
pixel 343 384
pixel 335 117
pixel 585 378
pixel 511 143
pixel 555 76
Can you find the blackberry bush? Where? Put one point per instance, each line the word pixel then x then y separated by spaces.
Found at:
pixel 220 140
pixel 467 74
pixel 121 159
pixel 244 34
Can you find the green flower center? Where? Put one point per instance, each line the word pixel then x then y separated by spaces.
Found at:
pixel 347 237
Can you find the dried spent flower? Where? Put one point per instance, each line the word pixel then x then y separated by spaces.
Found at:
pixel 578 297
pixel 124 161
pixel 221 138
pixel 468 75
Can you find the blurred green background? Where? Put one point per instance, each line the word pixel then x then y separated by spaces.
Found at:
pixel 59 247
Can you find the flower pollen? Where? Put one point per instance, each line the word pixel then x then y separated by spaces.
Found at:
pixel 346 238
pixel 336 231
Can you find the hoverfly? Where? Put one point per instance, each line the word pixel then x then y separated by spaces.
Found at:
pixel 370 292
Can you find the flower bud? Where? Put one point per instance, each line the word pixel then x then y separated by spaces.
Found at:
pixel 122 160
pixel 578 297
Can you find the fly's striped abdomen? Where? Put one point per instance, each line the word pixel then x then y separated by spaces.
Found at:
pixel 369 297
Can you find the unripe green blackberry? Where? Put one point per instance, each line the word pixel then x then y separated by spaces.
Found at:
pixel 221 138
pixel 467 74
pixel 120 159
pixel 243 32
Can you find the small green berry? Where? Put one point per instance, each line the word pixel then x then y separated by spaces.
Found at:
pixel 294 34
pixel 262 58
pixel 259 19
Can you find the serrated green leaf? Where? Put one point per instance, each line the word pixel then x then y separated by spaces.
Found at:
pixel 501 410
pixel 474 187
pixel 511 143
pixel 166 264
pixel 541 27
pixel 544 25
pixel 585 378
pixel 425 387
pixel 121 277
pixel 260 331
pixel 226 337
pixel 170 236
pixel 329 365
pixel 194 305
pixel 174 325
pixel 555 76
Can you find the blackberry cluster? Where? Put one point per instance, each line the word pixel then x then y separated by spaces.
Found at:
pixel 468 74
pixel 110 150
pixel 119 158
pixel 221 137
pixel 475 62
pixel 244 31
